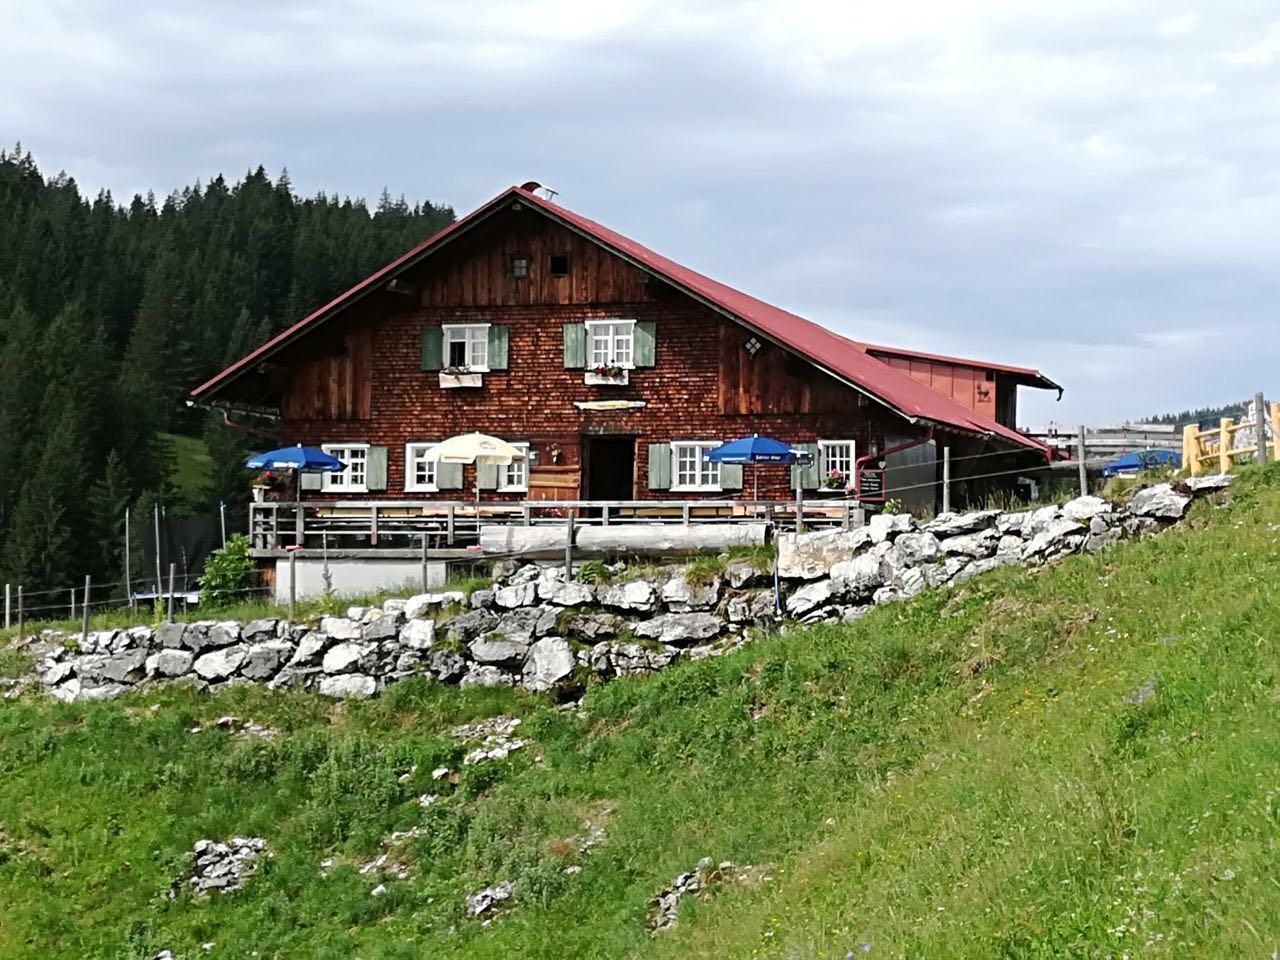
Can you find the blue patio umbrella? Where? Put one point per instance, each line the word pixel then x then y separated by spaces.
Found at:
pixel 299 459
pixel 303 459
pixel 754 450
pixel 1139 460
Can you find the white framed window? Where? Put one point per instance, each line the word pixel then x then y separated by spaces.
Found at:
pixel 514 476
pixel 354 479
pixel 690 470
pixel 419 472
pixel 611 343
pixel 836 457
pixel 466 346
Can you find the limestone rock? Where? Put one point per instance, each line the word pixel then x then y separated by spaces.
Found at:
pixel 594 626
pixel 263 660
pixel 958 524
pixel 123 667
pixel 808 556
pixel 348 657
pixel 446 665
pixel 1050 538
pixel 169 663
pixel 348 686
pixel 423 603
pixel 981 544
pixel 487 675
pixel 636 595
pixel 310 646
pixel 480 599
pixel 497 649
pixel 565 593
pixel 169 634
pixel 550 661
pixel 1161 502
pixel 418 634
pixel 681 596
pixel 738 575
pixel 858 577
pixel 885 526
pixel 516 595
pixel 257 631
pixel 1085 508
pixel 917 548
pixel 1038 521
pixel 627 659
pixel 753 607
pixel 1204 484
pixel 383 627
pixel 677 628
pixel 809 597
pixel 219 664
pixel 340 628
pixel 470 625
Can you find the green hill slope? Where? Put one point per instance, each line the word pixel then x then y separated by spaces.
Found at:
pixel 1080 761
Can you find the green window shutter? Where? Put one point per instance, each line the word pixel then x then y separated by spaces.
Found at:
pixel 659 466
pixel 432 348
pixel 645 348
pixel 575 346
pixel 806 474
pixel 448 476
pixel 497 347
pixel 487 473
pixel 730 476
pixel 312 481
pixel 376 469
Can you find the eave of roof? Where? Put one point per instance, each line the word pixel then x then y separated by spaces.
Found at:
pixel 840 357
pixel 1028 376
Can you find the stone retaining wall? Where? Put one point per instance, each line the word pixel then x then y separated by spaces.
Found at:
pixel 535 628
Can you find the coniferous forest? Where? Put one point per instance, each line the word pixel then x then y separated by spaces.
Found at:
pixel 111 312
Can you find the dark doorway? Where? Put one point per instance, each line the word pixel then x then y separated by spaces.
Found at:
pixel 610 467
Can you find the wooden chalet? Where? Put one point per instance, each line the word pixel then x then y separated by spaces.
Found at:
pixel 613 367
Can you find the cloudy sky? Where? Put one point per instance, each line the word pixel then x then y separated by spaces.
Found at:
pixel 1091 187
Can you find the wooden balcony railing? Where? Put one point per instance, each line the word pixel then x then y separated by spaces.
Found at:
pixel 361 524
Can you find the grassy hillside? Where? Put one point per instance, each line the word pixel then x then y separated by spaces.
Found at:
pixel 1081 761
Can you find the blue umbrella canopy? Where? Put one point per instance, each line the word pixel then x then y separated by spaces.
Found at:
pixel 755 449
pixel 1141 460
pixel 300 458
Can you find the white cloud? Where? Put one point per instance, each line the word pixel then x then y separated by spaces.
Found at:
pixel 1085 186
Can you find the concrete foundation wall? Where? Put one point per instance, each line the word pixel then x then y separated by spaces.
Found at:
pixel 353 578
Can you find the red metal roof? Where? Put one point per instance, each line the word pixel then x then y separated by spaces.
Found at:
pixel 1025 375
pixel 839 356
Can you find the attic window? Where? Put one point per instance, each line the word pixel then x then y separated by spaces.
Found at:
pixel 752 346
pixel 519 266
pixel 558 264
pixel 990 376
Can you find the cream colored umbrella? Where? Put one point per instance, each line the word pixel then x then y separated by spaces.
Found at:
pixel 477 448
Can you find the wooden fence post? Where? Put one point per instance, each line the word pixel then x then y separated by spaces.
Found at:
pixel 128 566
pixel 6 606
pixel 293 581
pixel 1275 430
pixel 172 567
pixel 1225 431
pixel 19 613
pixel 1191 449
pixel 424 563
pixel 1084 472
pixel 1260 429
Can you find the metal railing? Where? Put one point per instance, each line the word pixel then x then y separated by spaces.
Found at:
pixel 456 523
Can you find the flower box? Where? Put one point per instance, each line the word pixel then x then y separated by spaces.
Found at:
pixel 451 380
pixel 607 377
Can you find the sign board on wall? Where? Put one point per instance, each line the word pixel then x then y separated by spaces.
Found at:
pixel 869 485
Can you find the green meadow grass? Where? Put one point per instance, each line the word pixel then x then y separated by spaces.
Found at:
pixel 1081 761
